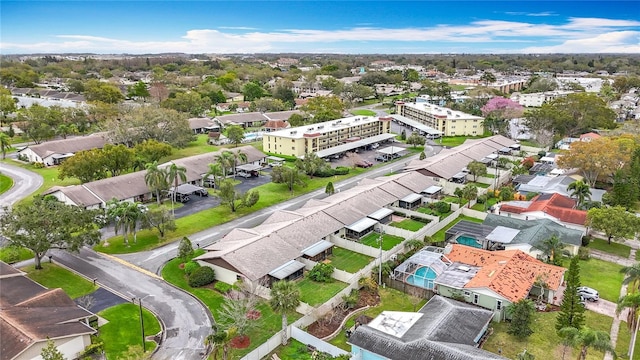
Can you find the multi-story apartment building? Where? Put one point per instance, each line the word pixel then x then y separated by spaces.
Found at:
pixel 313 138
pixel 450 122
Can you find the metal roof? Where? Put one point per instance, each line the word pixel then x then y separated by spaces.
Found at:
pixel 317 248
pixel 503 234
pixel 411 198
pixel 415 124
pixel 186 189
pixel 380 214
pixel 362 224
pixel 248 167
pixel 390 150
pixel 286 269
pixel 354 145
pixel 432 190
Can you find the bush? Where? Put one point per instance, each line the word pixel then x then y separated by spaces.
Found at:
pixel 10 255
pixel 586 240
pixel 222 287
pixel 202 276
pixel 341 170
pixel 38 165
pixel 321 272
pixel 442 207
pixel 190 267
pixel 584 253
pixel 481 199
pixel 326 172
pixel 420 219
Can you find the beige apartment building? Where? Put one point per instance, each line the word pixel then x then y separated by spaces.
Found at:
pixel 450 122
pixel 313 138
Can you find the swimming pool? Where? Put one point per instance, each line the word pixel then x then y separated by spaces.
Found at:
pixel 252 136
pixel 468 241
pixel 422 277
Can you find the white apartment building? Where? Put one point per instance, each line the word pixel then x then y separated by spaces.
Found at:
pixel 537 99
pixel 313 138
pixel 450 122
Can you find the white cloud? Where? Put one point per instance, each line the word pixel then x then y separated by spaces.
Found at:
pixel 576 35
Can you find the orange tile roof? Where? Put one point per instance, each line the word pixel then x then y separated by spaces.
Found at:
pixel 556 205
pixel 510 273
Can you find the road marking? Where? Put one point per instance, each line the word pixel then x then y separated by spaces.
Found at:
pixel 130 265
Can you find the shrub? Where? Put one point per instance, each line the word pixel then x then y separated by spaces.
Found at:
pixel 190 267
pixel 586 240
pixel 531 195
pixel 10 254
pixel 420 219
pixel 341 170
pixel 202 276
pixel 584 253
pixel 326 172
pixel 321 272
pixel 442 207
pixel 481 199
pixel 222 287
pixel 38 165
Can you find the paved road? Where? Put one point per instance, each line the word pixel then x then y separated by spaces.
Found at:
pixel 24 183
pixel 153 260
pixel 186 321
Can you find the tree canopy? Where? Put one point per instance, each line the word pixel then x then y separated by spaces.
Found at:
pixel 324 108
pixel 148 122
pixel 615 222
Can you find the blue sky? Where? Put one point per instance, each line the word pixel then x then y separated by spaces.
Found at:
pixel 347 27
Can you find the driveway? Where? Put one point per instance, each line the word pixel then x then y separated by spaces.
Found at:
pixel 605 307
pixel 185 320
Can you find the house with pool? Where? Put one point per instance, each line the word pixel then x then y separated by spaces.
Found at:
pixel 495 279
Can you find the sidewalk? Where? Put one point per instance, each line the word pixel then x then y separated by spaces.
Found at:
pixel 615 326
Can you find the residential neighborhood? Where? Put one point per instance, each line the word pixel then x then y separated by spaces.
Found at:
pixel 299 206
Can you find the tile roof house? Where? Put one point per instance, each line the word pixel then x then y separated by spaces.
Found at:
pixel 444 329
pixel 552 206
pixel 499 277
pixel 53 152
pixel 30 314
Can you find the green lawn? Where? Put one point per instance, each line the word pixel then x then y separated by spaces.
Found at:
pixel 200 146
pixel 270 322
pixel 52 276
pixel 483 207
pixel 388 241
pixel 49 176
pixel 315 293
pixel 123 329
pixel 10 254
pixel 615 248
pixel 166 203
pixel 480 185
pixel 347 260
pixel 5 183
pixel 295 350
pixel 544 343
pixel 363 112
pixel 390 300
pixel 428 211
pixel 409 224
pixel 602 276
pixel 453 141
pixel 270 194
pixel 439 236
pixel 454 200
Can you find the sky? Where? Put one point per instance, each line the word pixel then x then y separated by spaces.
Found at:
pixel 306 26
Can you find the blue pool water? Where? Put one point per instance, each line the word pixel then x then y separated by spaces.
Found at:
pixel 468 241
pixel 422 277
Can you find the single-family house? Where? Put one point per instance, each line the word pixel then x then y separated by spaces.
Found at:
pixel 526 184
pixel 495 279
pixel 31 314
pixel 552 206
pixel 245 120
pixel 54 152
pixel 233 97
pixel 203 125
pixel 444 329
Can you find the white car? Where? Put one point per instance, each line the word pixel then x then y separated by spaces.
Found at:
pixel 588 293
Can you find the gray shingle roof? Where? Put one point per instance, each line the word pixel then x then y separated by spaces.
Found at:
pixel 534 232
pixel 70 145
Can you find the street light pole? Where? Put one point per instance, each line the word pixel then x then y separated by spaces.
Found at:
pixel 144 343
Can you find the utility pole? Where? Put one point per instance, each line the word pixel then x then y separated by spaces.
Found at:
pixel 380 259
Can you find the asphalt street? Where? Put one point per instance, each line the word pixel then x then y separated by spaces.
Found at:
pixel 24 183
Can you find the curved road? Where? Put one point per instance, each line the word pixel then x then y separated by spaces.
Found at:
pixel 186 321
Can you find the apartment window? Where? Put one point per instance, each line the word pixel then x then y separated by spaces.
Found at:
pixel 467 293
pixel 293 148
pixel 475 298
pixel 498 305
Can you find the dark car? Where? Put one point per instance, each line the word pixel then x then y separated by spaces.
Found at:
pixel 363 164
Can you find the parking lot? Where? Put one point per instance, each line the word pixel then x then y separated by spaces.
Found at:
pixel 366 155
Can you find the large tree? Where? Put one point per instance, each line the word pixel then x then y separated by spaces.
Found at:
pixel 632 276
pixel 289 176
pixel 476 168
pixel 285 298
pixel 152 150
pixel 5 144
pixel 39 122
pixel 126 217
pixel 235 199
pixel 156 179
pixel 552 249
pixel 586 338
pixel 189 102
pixel 149 122
pixel 416 139
pixel 175 174
pixel 85 165
pixel 498 111
pixel 161 219
pixel 571 311
pixel 615 222
pixel 235 134
pixel 47 224
pixel 100 91
pixel 311 164
pixel 522 316
pixel 117 159
pixel 469 192
pixel 324 108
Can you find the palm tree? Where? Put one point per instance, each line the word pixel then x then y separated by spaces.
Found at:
pixel 134 213
pixel 175 173
pixel 580 191
pixel 587 338
pixel 552 248
pixel 156 179
pixel 631 302
pixel 220 339
pixel 5 144
pixel 285 298
pixel 469 192
pixel 215 170
pixel 632 276
pixel 238 155
pixel 226 159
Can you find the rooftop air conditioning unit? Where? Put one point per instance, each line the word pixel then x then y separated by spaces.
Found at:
pixel 464 268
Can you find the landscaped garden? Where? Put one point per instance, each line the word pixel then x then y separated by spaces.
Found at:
pixel 484 207
pixel 53 276
pixel 441 209
pixel 270 322
pixel 388 241
pixel 347 260
pixel 123 329
pixel 544 343
pixel 614 248
pixel 409 224
pixel 455 200
pixel 316 293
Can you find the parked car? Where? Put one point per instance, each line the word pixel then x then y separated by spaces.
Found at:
pixel 243 174
pixel 381 158
pixel 364 164
pixel 588 293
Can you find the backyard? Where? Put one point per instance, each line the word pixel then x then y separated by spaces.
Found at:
pixel 483 207
pixel 347 260
pixel 602 276
pixel 544 343
pixel 316 293
pixel 433 212
pixel 270 322
pixel 409 224
pixel 388 241
pixel 439 236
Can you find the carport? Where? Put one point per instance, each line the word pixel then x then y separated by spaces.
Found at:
pixel 354 145
pixel 425 130
pixel 391 152
pixel 432 192
pixel 274 160
pixel 251 169
pixel 184 190
pixel 318 251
